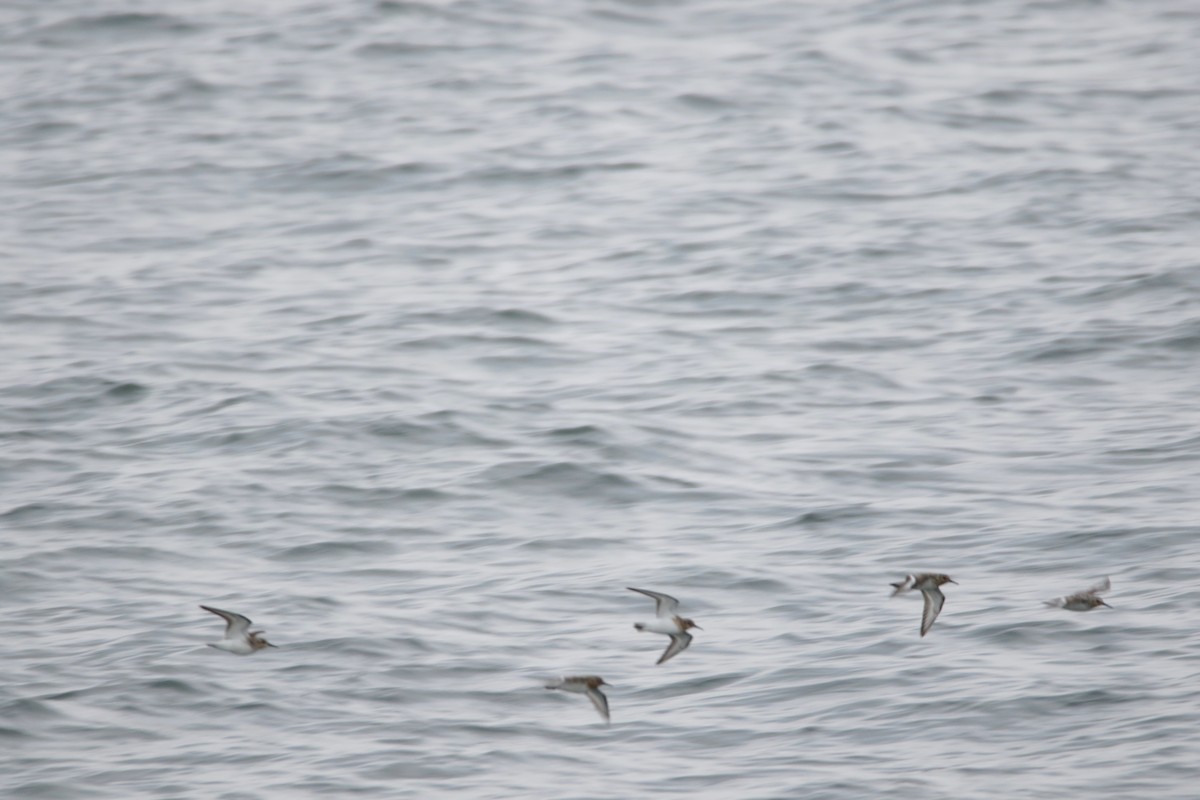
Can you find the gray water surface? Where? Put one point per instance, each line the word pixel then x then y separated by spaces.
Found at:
pixel 417 331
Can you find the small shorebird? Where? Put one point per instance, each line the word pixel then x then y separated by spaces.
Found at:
pixel 585 684
pixel 1085 600
pixel 927 583
pixel 239 638
pixel 668 623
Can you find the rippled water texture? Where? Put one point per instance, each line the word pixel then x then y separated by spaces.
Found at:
pixel 417 331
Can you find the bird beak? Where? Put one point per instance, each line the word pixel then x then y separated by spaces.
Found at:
pixel 268 644
pixel 951 580
pixel 1106 605
pixel 697 627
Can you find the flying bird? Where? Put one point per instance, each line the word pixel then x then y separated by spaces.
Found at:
pixel 1083 601
pixel 927 583
pixel 585 684
pixel 239 639
pixel 668 623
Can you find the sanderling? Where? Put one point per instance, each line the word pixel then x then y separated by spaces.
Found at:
pixel 668 623
pixel 927 583
pixel 1085 600
pixel 585 684
pixel 239 638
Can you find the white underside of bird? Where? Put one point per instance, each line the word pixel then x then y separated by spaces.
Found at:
pixel 239 646
pixel 667 626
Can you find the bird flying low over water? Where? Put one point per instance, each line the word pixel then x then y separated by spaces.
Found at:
pixel 239 639
pixel 585 684
pixel 1083 601
pixel 668 623
pixel 927 583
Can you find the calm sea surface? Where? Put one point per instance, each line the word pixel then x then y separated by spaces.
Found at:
pixel 417 331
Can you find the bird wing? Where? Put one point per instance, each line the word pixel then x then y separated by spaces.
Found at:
pixel 235 624
pixel 599 701
pixel 679 643
pixel 1099 588
pixel 664 604
pixel 934 600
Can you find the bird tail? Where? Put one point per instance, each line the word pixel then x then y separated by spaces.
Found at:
pixel 639 626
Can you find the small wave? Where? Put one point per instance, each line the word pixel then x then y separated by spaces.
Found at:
pixel 1184 337
pixel 409 7
pixel 581 543
pixel 704 102
pixel 344 172
pixel 443 433
pixel 1072 348
pixel 589 434
pixel 30 512
pixel 80 391
pixel 385 496
pixel 573 480
pixel 130 24
pixel 698 685
pixel 335 549
pixel 555 173
pixel 27 709
pixel 130 392
pixel 455 341
pixel 485 316
pixel 395 49
pixel 822 516
pixel 84 554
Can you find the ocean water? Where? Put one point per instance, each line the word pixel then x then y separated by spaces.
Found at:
pixel 418 331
